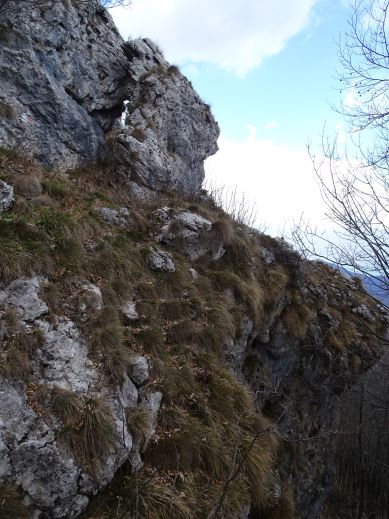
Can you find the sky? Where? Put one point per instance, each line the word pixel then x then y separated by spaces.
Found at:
pixel 268 70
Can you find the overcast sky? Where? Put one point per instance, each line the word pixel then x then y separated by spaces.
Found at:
pixel 268 70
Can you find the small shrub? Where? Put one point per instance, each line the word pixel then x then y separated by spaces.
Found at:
pixel 4 34
pixel 222 231
pixel 56 188
pixel 23 250
pixel 156 498
pixel 138 422
pixel 55 223
pixel 106 342
pixel 173 70
pixel 249 292
pixel 28 186
pixel 18 348
pixel 151 339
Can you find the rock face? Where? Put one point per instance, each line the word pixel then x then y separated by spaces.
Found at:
pixel 169 131
pixel 65 73
pixel 191 231
pixel 6 196
pixel 32 454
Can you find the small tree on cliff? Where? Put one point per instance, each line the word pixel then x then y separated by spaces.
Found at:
pixel 354 182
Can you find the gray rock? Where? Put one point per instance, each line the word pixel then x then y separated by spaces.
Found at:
pixel 5 465
pixel 93 298
pixel 7 198
pixel 169 131
pixel 151 402
pixel 129 311
pixel 267 256
pixel 48 478
pixel 139 370
pixel 128 394
pixel 140 192
pixel 16 417
pixel 65 74
pixel 116 217
pixel 161 260
pixel 194 274
pixel 64 357
pixel 190 231
pixel 33 459
pixel 363 311
pixel 22 297
pixel 194 222
pixel 236 348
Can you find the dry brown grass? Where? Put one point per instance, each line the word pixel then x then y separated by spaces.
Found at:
pixel 6 111
pixel 88 428
pixel 11 504
pixel 296 318
pixel 106 342
pixel 18 348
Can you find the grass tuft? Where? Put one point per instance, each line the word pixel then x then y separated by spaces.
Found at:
pixel 88 428
pixel 11 504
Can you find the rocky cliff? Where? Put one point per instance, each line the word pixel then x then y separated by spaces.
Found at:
pixel 157 358
pixel 66 80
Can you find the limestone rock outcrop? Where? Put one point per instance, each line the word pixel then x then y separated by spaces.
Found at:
pixel 35 454
pixel 6 196
pixel 65 78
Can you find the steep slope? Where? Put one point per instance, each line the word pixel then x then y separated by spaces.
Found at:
pixel 157 358
pixel 163 331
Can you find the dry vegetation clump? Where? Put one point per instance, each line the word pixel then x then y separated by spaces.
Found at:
pixel 296 318
pixel 342 296
pixel 6 111
pixel 11 504
pixel 88 428
pixel 106 343
pixel 17 347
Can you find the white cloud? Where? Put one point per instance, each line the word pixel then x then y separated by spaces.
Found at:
pixel 226 33
pixel 271 124
pixel 278 178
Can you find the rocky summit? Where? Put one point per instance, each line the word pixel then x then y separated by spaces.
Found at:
pixel 158 358
pixel 69 83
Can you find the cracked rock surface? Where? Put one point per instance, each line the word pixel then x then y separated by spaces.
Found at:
pixel 32 456
pixel 66 75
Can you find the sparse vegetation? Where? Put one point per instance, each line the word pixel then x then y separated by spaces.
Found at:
pixel 11 504
pixel 6 111
pixel 18 347
pixel 296 318
pixel 88 428
pixel 208 418
pixel 139 134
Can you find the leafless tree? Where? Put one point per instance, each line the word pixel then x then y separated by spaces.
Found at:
pixel 353 178
pixel 354 181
